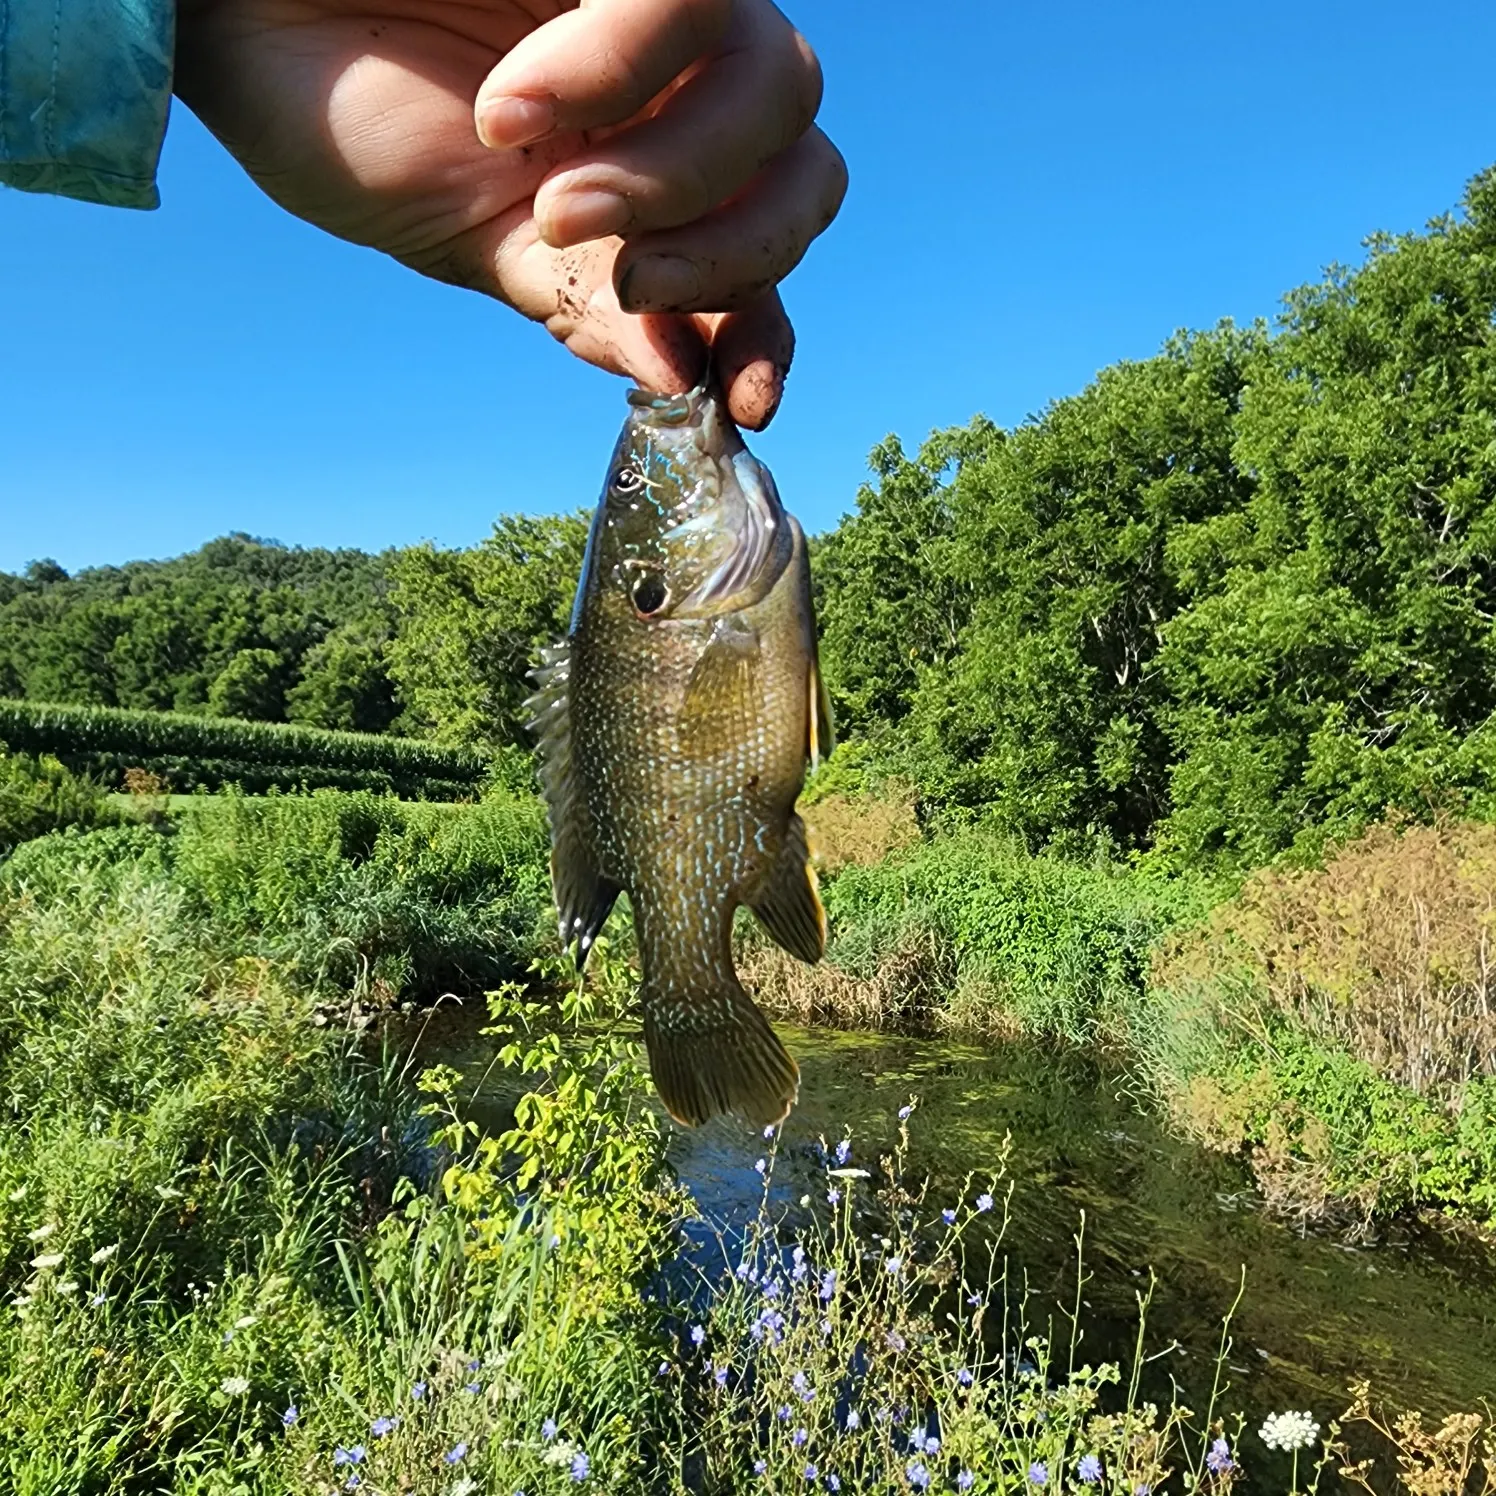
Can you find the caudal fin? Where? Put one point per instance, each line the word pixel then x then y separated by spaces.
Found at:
pixel 716 1055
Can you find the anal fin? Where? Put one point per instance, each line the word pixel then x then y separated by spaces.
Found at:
pixel 789 903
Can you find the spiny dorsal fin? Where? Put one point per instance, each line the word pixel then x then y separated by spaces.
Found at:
pixel 584 896
pixel 723 691
pixel 789 904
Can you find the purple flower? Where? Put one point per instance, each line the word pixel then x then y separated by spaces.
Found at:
pixel 697 1334
pixel 1142 1489
pixel 828 1285
pixel 474 1387
pixel 1089 1469
pixel 474 1365
pixel 580 1465
pixel 854 1420
pixel 801 1383
pixel 893 1265
pixel 354 1456
pixel 972 1300
pixel 811 1472
pixel 1219 1459
pixel 456 1454
pixel 965 1377
pixel 843 1151
pixel 418 1391
pixel 769 1131
pixel 965 1480
pixel 759 1165
pixel 904 1112
pixel 800 1437
pixel 782 1412
pixel 894 1341
pixel 760 1466
pixel 932 1445
pixel 833 1197
pixel 1038 1473
pixel 382 1426
pixel 826 1328
pixel 291 1416
pixel 353 1482
pixel 833 1482
pixel 916 1474
pixel 948 1216
pixel 984 1201
pixel 771 1288
pixel 720 1376
pixel 664 1370
pixel 548 1430
pixel 917 1441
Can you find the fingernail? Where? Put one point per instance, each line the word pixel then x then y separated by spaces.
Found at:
pixel 511 119
pixel 659 283
pixel 587 213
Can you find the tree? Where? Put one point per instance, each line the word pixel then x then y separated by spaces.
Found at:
pixel 251 685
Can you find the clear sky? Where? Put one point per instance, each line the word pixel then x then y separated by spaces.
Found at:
pixel 1037 190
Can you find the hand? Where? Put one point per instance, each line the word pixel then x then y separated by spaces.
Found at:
pixel 583 163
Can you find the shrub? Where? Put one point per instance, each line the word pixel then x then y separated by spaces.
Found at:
pixel 38 795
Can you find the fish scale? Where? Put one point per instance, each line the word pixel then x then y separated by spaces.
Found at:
pixel 675 725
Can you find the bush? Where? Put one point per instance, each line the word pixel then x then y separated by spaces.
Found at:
pixel 38 795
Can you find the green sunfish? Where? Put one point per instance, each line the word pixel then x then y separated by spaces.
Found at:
pixel 675 723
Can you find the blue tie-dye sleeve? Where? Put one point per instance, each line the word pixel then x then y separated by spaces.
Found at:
pixel 84 90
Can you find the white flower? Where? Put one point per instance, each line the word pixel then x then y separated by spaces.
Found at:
pixel 68 1287
pixel 46 1260
pixel 559 1453
pixel 104 1254
pixel 847 1174
pixel 464 1487
pixel 41 1233
pixel 245 1321
pixel 1289 1431
pixel 234 1386
pixel 16 1196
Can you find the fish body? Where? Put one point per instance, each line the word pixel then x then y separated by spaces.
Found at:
pixel 675 722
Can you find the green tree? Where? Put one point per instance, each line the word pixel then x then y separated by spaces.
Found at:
pixel 345 683
pixel 251 685
pixel 469 624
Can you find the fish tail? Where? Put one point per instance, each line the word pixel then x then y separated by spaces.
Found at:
pixel 718 1054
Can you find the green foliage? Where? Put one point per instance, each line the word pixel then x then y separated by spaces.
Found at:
pixel 471 622
pixel 161 635
pixel 38 795
pixel 193 751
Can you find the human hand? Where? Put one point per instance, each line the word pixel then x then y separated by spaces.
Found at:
pixel 582 162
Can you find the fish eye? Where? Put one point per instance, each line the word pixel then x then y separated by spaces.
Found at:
pixel 627 480
pixel 649 593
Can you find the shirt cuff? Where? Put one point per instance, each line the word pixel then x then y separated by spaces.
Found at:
pixel 85 87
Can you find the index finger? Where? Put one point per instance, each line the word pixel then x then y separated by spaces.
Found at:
pixel 596 65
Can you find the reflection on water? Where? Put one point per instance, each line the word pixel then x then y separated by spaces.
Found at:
pixel 1416 1313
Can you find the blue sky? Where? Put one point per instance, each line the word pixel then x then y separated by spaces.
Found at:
pixel 1036 192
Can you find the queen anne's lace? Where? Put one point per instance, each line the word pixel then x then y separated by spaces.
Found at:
pixel 1289 1431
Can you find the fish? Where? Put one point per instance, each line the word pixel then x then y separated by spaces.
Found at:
pixel 675 723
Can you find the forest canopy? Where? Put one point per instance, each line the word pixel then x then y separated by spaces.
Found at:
pixel 1222 601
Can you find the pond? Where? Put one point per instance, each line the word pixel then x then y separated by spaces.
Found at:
pixel 1415 1311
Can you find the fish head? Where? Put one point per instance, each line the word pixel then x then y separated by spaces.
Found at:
pixel 690 525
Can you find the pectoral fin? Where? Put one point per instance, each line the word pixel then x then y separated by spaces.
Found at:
pixel 584 897
pixel 723 692
pixel 789 904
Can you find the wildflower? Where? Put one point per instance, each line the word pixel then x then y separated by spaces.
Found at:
pixel 292 1416
pixel 972 1300
pixel 474 1387
pixel 828 1285
pixel 354 1456
pixel 353 1482
pixel 383 1425
pixel 804 1202
pixel 467 1485
pixel 457 1454
pixel 801 1383
pixel 854 1420
pixel 811 1472
pixel 1289 1431
pixel 417 1391
pixel 1219 1458
pixel 948 1216
pixel 771 1289
pixel 1088 1467
pixel 917 1441
pixel 1142 1489
pixel 833 1482
pixel 932 1445
pixel 664 1370
pixel 965 1480
pixel 548 1430
pixel 782 1412
pixel 697 1334
pixel 904 1113
pixel 104 1254
pixel 41 1233
pixel 474 1365
pixel 228 1335
pixel 800 1437
pixel 69 1287
pixel 759 1165
pixel 760 1466
pixel 769 1131
pixel 965 1377
pixel 720 1375
pixel 984 1201
pixel 833 1197
pixel 244 1322
pixel 46 1260
pixel 580 1465
pixel 554 1242
pixel 1038 1473
pixel 234 1386
pixel 826 1328
pixel 97 1300
pixel 843 1151
pixel 894 1341
pixel 916 1474
pixel 893 1265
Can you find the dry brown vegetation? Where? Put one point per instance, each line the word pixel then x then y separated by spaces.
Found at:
pixel 860 830
pixel 1458 1458
pixel 1385 952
